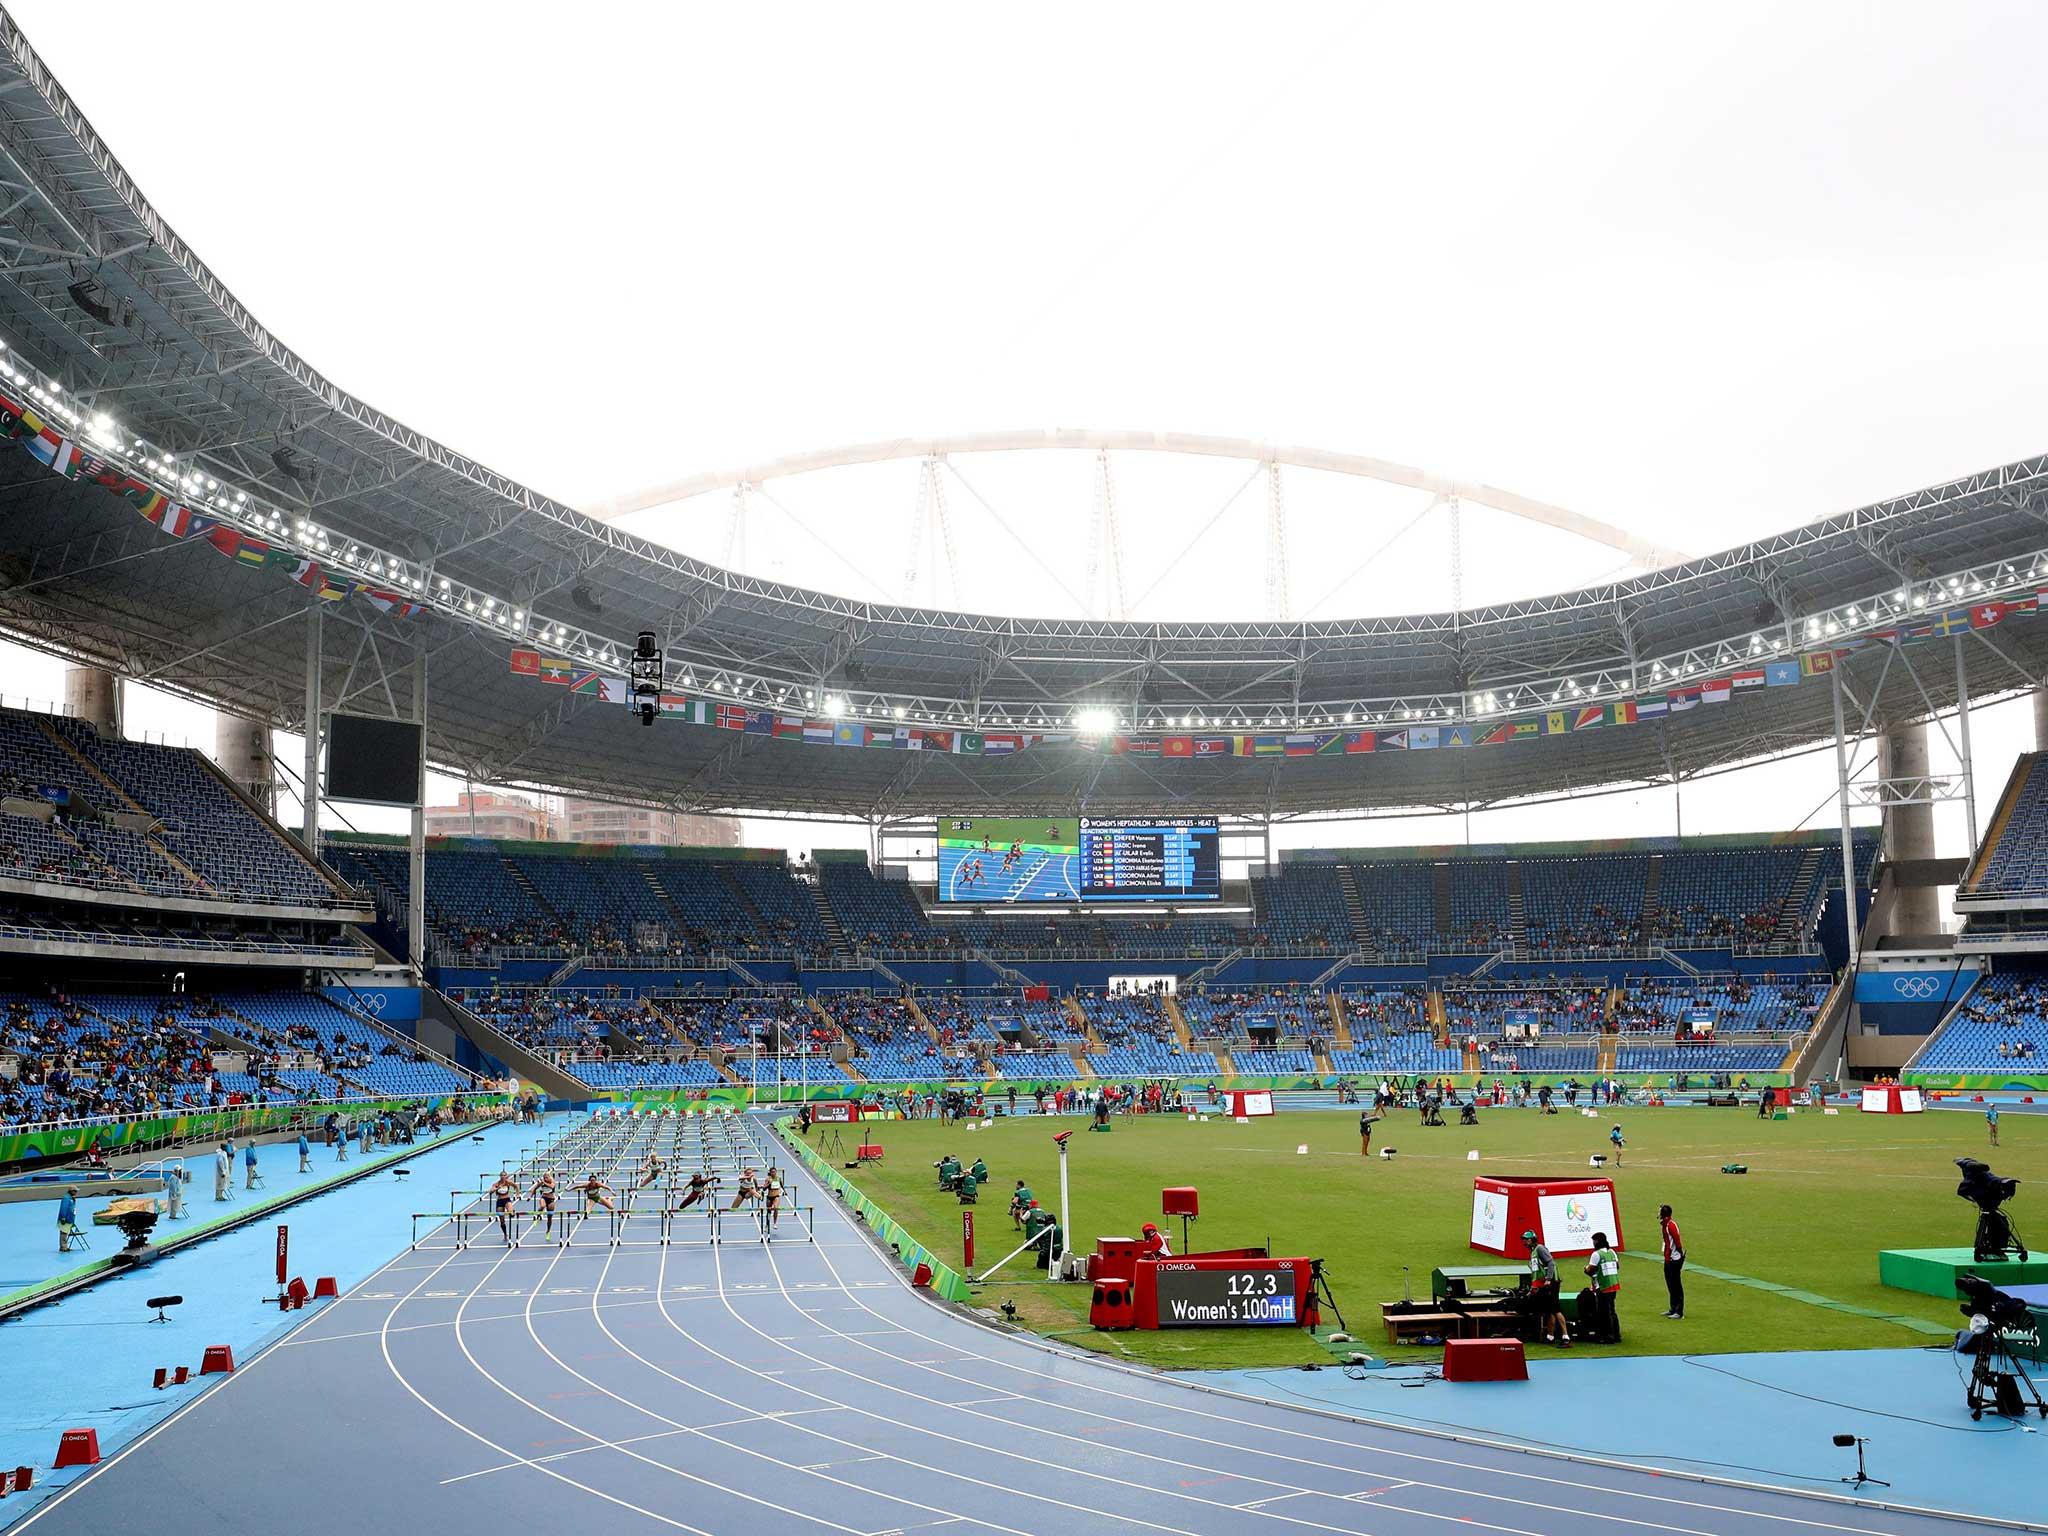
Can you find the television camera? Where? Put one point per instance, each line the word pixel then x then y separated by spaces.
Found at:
pixel 1996 1237
pixel 1998 1381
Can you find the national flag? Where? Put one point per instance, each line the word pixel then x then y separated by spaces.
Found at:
pixel 1588 716
pixel 1269 746
pixel 1953 622
pixel 849 733
pixel 224 540
pixel 1003 743
pixel 788 727
pixel 1716 691
pixel 526 663
pixel 1653 709
pixel 1176 746
pixel 937 741
pixel 51 450
pixel 1985 615
pixel 1053 739
pixel 587 680
pixel 1139 746
pixel 1302 744
pixel 18 419
pixel 94 469
pixel 1422 738
pixel 967 744
pixel 759 722
pixel 1457 736
pixel 1496 736
pixel 252 551
pixel 1393 741
pixel 307 574
pixel 1359 741
pixel 614 690
pixel 1748 677
pixel 730 717
pixel 1814 663
pixel 1625 712
pixel 1525 730
pixel 1554 723
pixel 818 732
pixel 1212 746
pixel 330 590
pixel 1682 699
pixel 389 602
pixel 1780 674
pixel 553 669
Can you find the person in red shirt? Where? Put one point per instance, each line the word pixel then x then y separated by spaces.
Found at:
pixel 1674 1261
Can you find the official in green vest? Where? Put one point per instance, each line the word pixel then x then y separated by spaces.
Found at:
pixel 980 1171
pixel 1543 1293
pixel 1020 1202
pixel 949 1171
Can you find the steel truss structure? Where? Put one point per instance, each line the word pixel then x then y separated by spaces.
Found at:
pixel 129 339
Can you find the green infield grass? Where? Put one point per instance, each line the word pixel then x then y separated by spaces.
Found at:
pixel 1803 1227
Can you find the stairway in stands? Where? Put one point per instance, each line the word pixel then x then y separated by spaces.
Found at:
pixel 1653 892
pixel 1354 908
pixel 1440 913
pixel 663 900
pixel 127 802
pixel 1341 1030
pixel 525 883
pixel 746 903
pixel 1790 932
pixel 828 919
pixel 1518 911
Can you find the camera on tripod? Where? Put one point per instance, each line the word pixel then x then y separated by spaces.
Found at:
pixel 1998 1381
pixel 1996 1237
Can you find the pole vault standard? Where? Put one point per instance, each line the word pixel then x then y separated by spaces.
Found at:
pixel 1054 1262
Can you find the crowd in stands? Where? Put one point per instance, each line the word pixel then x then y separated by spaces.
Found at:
pixel 99 1054
pixel 2001 1026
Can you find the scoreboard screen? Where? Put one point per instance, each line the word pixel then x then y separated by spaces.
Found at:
pixel 1197 1294
pixel 1149 858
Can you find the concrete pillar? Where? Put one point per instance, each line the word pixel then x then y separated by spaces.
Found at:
pixel 241 748
pixel 1908 829
pixel 95 696
pixel 2040 720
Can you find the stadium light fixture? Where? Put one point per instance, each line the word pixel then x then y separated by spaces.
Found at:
pixel 1094 721
pixel 834 705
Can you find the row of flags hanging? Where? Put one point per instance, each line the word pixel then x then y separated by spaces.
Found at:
pixel 22 425
pixel 1677 699
pixel 67 458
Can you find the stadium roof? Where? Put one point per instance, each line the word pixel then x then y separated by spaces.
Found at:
pixel 107 312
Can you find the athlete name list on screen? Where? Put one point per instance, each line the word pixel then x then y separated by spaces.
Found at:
pixel 1149 858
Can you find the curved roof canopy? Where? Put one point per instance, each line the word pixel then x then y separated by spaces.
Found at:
pixel 104 305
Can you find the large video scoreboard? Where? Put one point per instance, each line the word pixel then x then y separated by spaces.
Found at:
pixel 1150 858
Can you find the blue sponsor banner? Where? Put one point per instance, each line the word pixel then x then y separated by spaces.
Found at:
pixel 389 1005
pixel 1921 984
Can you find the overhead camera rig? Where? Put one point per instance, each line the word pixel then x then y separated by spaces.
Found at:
pixel 644 669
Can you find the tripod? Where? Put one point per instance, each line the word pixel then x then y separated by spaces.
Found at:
pixel 831 1144
pixel 1862 1476
pixel 1319 1294
pixel 1997 1239
pixel 1996 1379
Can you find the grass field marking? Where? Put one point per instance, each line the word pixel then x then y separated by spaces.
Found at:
pixel 1295 1434
pixel 1635 1521
pixel 1808 1298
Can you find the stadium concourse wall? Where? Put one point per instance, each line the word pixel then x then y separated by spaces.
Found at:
pixel 702 1100
pixel 157 1130
pixel 1070 975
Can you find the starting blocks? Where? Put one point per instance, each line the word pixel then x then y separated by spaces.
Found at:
pixel 218 1360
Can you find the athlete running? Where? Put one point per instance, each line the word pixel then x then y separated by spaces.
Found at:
pixel 650 1171
pixel 746 1190
pixel 699 1187
pixel 502 1194
pixel 596 1192
pixel 543 1196
pixel 773 1196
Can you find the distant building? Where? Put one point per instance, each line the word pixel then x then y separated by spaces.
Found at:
pixel 593 821
pixel 487 813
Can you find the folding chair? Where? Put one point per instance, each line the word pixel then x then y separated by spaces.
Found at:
pixel 74 1237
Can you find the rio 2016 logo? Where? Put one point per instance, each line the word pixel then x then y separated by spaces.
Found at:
pixel 1575 1213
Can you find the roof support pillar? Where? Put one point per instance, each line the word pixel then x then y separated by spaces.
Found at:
pixel 93 694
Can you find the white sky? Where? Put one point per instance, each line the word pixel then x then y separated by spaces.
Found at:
pixel 1702 274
